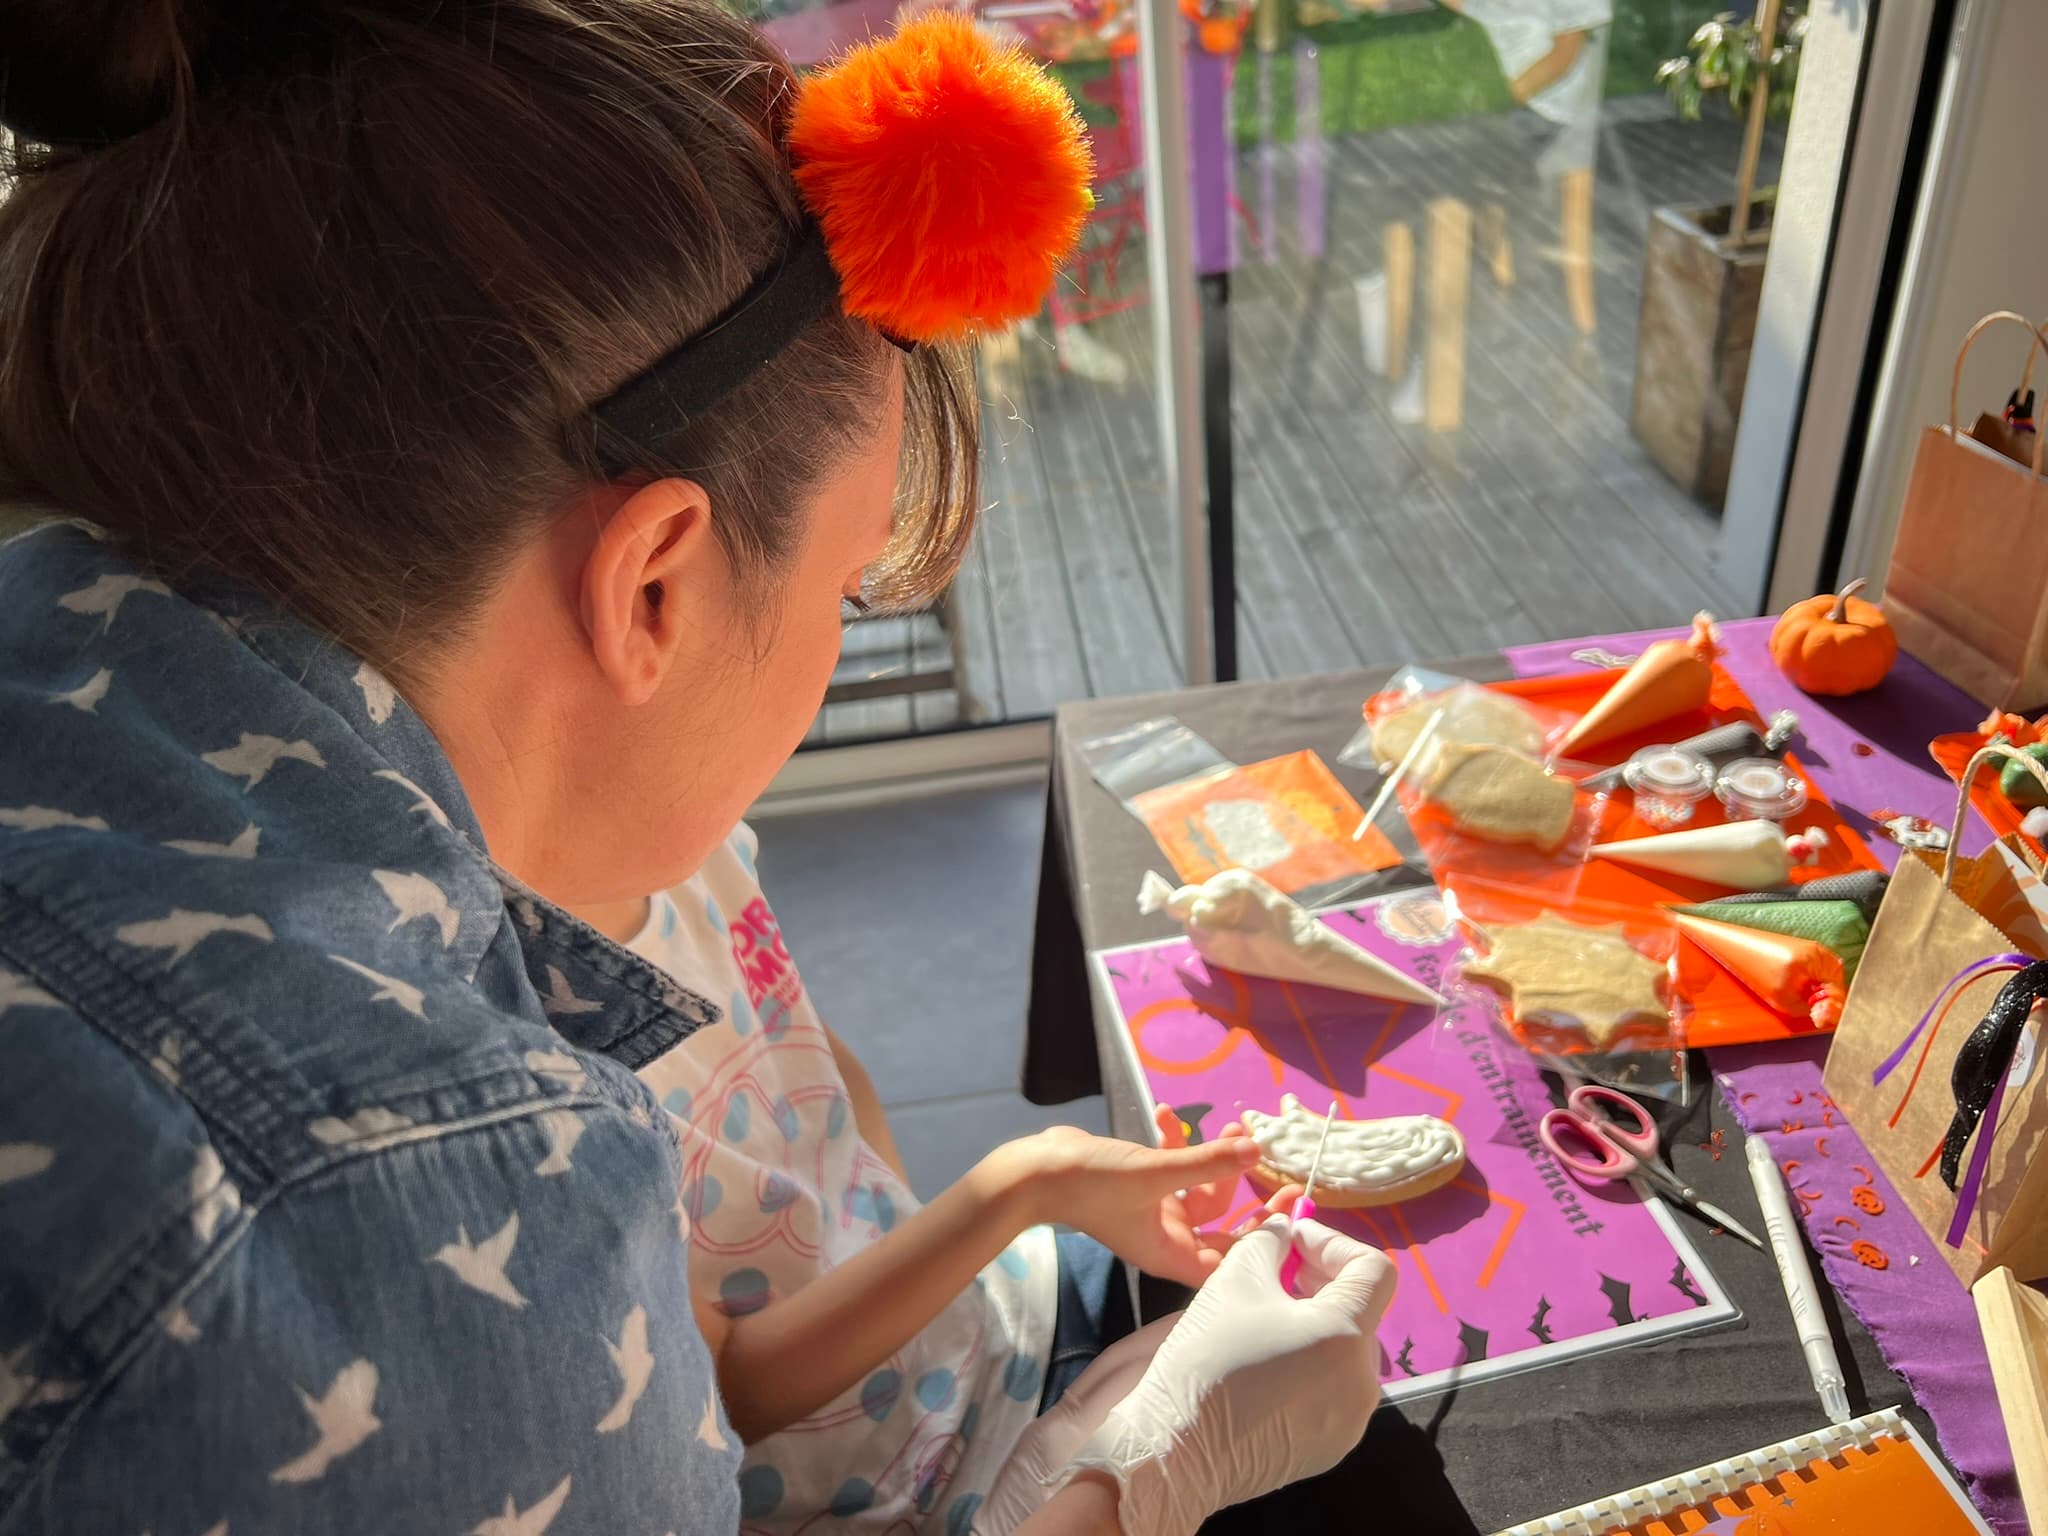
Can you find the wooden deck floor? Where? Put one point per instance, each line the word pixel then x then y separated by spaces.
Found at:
pixel 1362 536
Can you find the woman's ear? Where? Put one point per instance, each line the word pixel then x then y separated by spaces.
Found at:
pixel 647 548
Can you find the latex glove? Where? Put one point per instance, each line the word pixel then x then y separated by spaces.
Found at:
pixel 1253 1388
pixel 1039 1465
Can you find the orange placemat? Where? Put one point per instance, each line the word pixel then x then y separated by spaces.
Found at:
pixel 1292 819
pixel 1953 753
pixel 1722 1010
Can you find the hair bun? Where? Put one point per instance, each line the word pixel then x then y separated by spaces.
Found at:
pixel 87 72
pixel 83 73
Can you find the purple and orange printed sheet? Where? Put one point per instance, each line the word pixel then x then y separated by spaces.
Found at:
pixel 1512 1266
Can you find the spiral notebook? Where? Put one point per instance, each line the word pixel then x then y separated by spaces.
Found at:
pixel 1874 1474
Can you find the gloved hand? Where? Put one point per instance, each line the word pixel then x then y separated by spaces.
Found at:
pixel 1252 1389
pixel 1039 1466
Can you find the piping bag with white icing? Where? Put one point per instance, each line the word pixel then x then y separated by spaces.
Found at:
pixel 1239 922
pixel 1737 854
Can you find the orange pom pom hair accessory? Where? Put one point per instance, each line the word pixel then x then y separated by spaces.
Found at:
pixel 946 176
pixel 950 174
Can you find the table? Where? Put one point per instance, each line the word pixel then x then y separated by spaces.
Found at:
pixel 1488 1455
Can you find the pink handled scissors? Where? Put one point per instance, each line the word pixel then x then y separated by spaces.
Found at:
pixel 1625 1146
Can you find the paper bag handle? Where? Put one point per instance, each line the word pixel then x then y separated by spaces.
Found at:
pixel 1984 755
pixel 1955 383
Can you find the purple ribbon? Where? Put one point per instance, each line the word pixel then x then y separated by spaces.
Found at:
pixel 1961 978
pixel 1980 1158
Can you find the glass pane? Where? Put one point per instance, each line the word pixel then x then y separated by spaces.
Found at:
pixel 1071 589
pixel 1488 335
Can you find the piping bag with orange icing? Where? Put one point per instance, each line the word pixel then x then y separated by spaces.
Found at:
pixel 1671 677
pixel 1794 975
pixel 1304 1208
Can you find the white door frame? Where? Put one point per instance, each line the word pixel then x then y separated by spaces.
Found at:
pixel 1859 77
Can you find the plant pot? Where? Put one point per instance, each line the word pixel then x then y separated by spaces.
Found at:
pixel 1692 343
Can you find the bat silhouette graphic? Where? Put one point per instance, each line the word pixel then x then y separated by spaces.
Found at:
pixel 1474 1340
pixel 1617 1294
pixel 1401 1361
pixel 1682 1282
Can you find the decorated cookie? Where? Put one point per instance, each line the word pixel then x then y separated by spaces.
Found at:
pixel 1500 795
pixel 1572 976
pixel 1366 1162
pixel 1474 715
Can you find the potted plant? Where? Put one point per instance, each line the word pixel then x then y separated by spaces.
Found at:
pixel 1703 267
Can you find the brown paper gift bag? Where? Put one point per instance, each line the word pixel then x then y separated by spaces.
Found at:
pixel 1967 591
pixel 1939 919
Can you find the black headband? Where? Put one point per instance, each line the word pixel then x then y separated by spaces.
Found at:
pixel 635 419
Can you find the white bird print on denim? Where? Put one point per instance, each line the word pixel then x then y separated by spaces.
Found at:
pixel 559 1066
pixel 19 1389
pixel 106 595
pixel 371 1121
pixel 24 1160
pixel 708 1432
pixel 214 1195
pixel 252 758
pixel 41 818
pixel 389 988
pixel 85 698
pixel 170 1055
pixel 560 999
pixel 416 896
pixel 379 696
pixel 481 1266
pixel 532 1523
pixel 423 803
pixel 564 1129
pixel 243 846
pixel 181 931
pixel 343 1417
pixel 636 1367
pixel 20 992
pixel 179 1325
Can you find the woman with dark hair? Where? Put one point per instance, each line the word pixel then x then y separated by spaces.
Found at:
pixel 459 445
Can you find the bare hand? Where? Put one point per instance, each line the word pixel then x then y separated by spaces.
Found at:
pixel 1142 1203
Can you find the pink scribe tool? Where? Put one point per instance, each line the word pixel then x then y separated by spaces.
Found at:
pixel 1304 1208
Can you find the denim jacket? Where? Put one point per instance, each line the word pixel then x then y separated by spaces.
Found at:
pixel 328 1198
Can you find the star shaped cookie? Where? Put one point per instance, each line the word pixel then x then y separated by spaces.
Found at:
pixel 1572 976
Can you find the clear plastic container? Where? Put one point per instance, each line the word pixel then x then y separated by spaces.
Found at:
pixel 1669 783
pixel 1760 789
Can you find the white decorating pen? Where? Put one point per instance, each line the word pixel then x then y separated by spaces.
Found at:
pixel 1379 801
pixel 1305 1207
pixel 1812 1324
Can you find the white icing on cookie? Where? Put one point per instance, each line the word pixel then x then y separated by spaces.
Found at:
pixel 1363 1156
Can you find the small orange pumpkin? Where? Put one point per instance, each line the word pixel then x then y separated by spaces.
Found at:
pixel 1834 645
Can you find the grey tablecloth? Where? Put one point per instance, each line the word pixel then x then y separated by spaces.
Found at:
pixel 1504 1451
